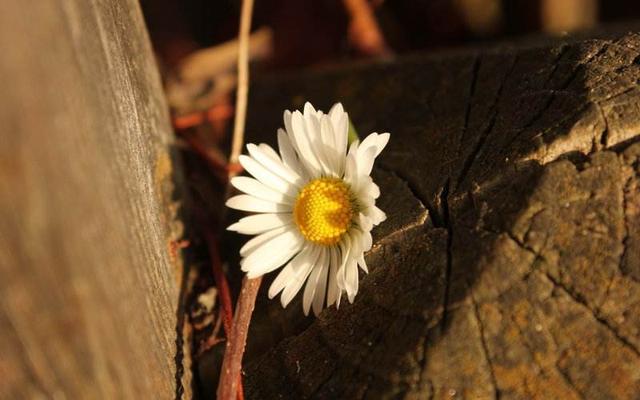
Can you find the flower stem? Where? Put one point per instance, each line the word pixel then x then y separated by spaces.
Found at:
pixel 230 383
pixel 232 363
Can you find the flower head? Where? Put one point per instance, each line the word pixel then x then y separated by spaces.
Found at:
pixel 316 207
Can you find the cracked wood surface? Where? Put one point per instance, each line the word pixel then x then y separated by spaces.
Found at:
pixel 88 289
pixel 509 267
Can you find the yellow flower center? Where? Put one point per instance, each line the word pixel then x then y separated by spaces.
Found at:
pixel 324 210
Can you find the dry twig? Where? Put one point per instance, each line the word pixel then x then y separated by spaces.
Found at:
pixel 243 81
pixel 210 62
pixel 230 385
pixel 206 77
pixel 364 31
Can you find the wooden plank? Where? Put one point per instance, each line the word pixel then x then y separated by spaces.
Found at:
pixel 88 290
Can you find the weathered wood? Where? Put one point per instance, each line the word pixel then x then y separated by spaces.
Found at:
pixel 88 290
pixel 509 265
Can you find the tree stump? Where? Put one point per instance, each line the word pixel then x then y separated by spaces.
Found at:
pixel 88 286
pixel 509 266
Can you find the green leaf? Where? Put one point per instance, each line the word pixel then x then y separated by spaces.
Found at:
pixel 353 133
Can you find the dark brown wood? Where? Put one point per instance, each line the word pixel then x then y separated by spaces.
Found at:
pixel 509 265
pixel 88 288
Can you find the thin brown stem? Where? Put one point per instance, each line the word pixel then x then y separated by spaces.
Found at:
pixel 221 284
pixel 232 363
pixel 243 81
pixel 230 383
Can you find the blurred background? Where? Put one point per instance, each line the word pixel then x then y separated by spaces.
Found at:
pixel 195 39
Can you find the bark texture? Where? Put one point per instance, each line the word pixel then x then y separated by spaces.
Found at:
pixel 88 289
pixel 509 266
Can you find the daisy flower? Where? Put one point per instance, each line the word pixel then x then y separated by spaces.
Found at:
pixel 316 207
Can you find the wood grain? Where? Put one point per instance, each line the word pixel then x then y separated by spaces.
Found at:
pixel 508 266
pixel 88 290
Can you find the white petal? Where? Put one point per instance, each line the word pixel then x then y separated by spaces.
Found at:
pixel 260 239
pixel 312 282
pixel 286 274
pixel 288 153
pixel 300 140
pixel 321 287
pixel 266 177
pixel 333 158
pixel 309 109
pixel 364 161
pixel 364 222
pixel 363 264
pixel 336 112
pixel 285 238
pixel 268 150
pixel 374 190
pixel 366 187
pixel 245 202
pixel 379 141
pixel 321 149
pixel 351 279
pixel 333 290
pixel 272 254
pixel 383 139
pixel 273 166
pixel 366 241
pixel 351 171
pixel 345 250
pixel 275 261
pixel 265 268
pixel 370 140
pixel 364 200
pixel 326 129
pixel 338 299
pixel 353 147
pixel 355 243
pixel 260 223
pixel 340 122
pixel 257 189
pixel 287 122
pixel 301 272
pixel 376 215
pixel 314 136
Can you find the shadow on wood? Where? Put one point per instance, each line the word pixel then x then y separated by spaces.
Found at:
pixel 508 265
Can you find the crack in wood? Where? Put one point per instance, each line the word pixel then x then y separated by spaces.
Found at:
pixel 621 93
pixel 626 188
pixel 475 69
pixel 444 200
pixel 467 164
pixel 604 136
pixel 423 367
pixel 567 379
pixel 179 341
pixel 556 63
pixel 436 218
pixel 602 321
pixel 485 349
